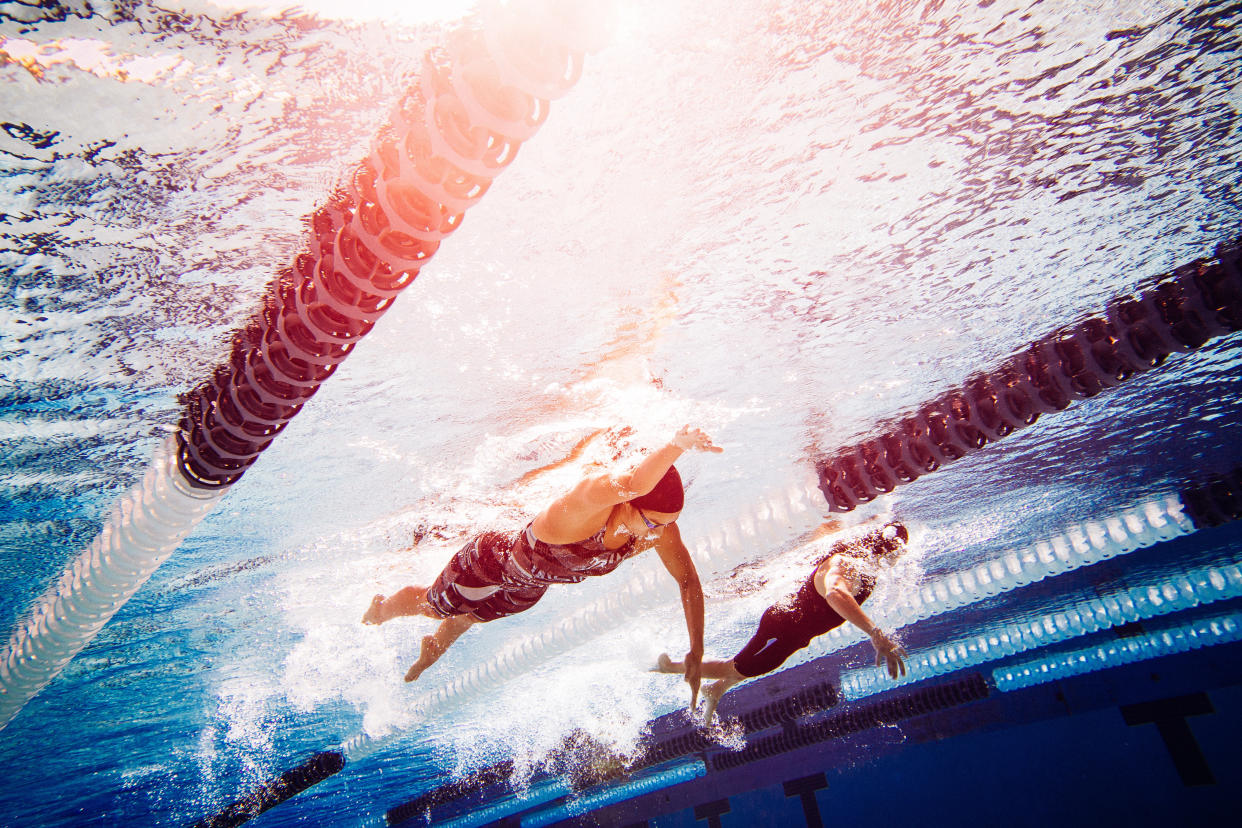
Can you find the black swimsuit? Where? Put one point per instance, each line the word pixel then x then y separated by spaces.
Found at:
pixel 503 573
pixel 789 625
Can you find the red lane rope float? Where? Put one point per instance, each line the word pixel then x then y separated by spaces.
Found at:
pixel 1181 312
pixel 452 133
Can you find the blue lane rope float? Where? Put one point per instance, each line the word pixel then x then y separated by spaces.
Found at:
pixel 1198 587
pixel 1198 507
pixel 586 803
pixel 1180 312
pixel 1223 628
pixel 553 789
pixel 452 133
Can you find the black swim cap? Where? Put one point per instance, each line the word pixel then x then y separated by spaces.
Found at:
pixel 668 496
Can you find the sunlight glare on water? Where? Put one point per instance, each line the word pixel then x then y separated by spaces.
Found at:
pixel 394 12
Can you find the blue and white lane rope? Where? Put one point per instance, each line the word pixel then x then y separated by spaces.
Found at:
pixel 1224 628
pixel 1198 587
pixel 576 804
pixel 141 532
pixel 537 795
pixel 611 795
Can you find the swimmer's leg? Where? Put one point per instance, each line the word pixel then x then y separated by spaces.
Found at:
pixel 724 672
pixel 411 600
pixel 438 642
pixel 711 696
pixel 711 669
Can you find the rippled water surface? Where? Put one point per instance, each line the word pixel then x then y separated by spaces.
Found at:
pixel 784 221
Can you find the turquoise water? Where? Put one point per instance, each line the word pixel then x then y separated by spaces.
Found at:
pixel 783 223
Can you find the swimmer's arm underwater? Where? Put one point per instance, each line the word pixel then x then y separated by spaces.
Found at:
pixel 677 561
pixel 608 489
pixel 838 582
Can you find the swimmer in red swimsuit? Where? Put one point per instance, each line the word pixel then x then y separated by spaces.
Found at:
pixel 588 531
pixel 843 579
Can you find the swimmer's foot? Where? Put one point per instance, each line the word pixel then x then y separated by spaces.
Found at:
pixel 711 698
pixel 414 672
pixel 375 613
pixel 664 664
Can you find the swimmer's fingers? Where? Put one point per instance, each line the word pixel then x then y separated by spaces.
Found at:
pixel 896 662
pixel 891 656
pixel 695 439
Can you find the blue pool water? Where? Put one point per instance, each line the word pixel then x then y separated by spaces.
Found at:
pixel 784 222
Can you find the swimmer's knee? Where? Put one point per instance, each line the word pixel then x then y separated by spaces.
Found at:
pixel 464 622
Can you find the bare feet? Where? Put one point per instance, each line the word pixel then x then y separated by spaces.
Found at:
pixel 375 613
pixel 711 698
pixel 427 656
pixel 664 664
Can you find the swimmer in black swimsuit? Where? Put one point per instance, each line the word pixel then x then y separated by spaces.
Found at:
pixel 588 531
pixel 843 579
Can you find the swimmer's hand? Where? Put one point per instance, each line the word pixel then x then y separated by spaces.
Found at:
pixel 694 439
pixel 888 653
pixel 694 676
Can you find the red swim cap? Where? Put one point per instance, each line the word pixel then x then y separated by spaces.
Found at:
pixel 667 496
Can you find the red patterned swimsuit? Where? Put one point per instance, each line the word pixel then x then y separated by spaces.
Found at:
pixel 503 573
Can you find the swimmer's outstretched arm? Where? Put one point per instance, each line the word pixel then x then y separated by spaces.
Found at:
pixel 838 582
pixel 437 643
pixel 605 490
pixel 677 561
pixel 654 466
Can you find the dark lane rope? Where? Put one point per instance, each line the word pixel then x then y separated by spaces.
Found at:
pixel 452 133
pixel 1183 311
